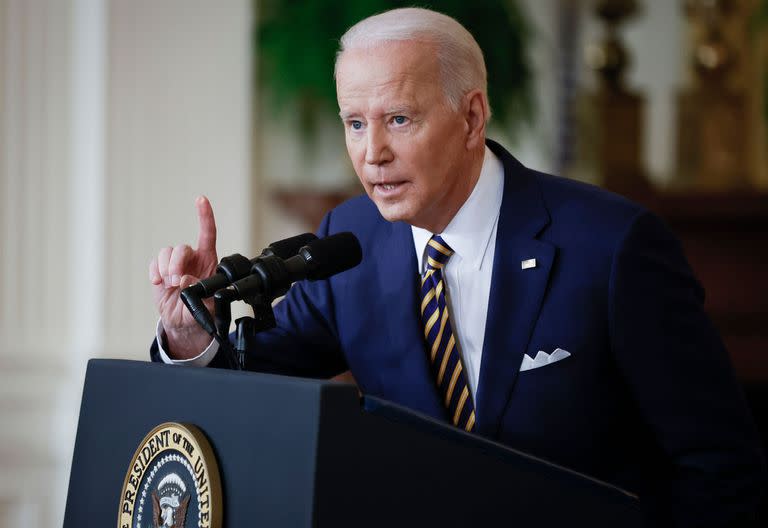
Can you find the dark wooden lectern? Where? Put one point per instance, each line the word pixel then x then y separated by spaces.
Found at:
pixel 297 452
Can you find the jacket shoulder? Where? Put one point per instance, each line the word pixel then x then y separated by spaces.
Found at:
pixel 356 208
pixel 586 211
pixel 358 215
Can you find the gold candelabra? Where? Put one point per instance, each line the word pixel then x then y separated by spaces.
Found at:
pixel 713 143
pixel 609 141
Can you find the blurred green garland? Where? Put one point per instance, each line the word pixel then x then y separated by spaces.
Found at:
pixel 297 40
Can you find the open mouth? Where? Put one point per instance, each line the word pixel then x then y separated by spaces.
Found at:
pixel 390 189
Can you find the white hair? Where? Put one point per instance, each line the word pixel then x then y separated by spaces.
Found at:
pixel 461 62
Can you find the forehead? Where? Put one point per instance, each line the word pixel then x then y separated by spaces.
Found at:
pixel 389 73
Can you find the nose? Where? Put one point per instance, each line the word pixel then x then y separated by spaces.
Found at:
pixel 378 150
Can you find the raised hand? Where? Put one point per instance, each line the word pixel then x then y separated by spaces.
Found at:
pixel 174 269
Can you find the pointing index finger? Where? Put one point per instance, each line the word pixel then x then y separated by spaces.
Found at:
pixel 206 238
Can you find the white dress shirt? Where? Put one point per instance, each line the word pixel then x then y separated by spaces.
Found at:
pixel 472 236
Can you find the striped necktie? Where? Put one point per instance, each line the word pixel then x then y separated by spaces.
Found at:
pixel 444 358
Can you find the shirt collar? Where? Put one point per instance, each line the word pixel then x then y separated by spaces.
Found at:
pixel 469 232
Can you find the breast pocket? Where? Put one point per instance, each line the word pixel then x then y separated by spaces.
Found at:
pixel 547 375
pixel 543 359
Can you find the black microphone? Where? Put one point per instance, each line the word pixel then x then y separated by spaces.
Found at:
pixel 320 259
pixel 231 269
pixel 236 267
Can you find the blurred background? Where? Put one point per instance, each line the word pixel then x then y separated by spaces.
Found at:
pixel 116 114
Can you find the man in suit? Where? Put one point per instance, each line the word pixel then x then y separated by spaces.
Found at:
pixel 548 315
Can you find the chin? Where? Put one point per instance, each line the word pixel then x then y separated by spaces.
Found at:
pixel 394 212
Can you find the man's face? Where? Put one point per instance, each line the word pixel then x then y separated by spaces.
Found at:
pixel 407 146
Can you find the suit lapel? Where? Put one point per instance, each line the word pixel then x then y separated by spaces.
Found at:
pixel 398 284
pixel 516 293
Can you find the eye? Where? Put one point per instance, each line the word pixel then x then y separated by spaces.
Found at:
pixel 399 120
pixel 356 124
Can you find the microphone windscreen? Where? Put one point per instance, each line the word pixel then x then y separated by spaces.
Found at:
pixel 331 255
pixel 290 246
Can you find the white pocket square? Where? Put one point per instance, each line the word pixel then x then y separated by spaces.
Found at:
pixel 542 359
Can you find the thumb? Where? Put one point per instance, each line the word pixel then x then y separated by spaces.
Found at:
pixel 188 280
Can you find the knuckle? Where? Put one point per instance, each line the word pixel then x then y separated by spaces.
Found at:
pixel 179 253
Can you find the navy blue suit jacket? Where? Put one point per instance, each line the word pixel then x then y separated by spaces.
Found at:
pixel 647 400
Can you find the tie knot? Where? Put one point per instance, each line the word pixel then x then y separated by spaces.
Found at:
pixel 438 252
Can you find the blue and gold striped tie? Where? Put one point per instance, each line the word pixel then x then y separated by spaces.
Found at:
pixel 444 358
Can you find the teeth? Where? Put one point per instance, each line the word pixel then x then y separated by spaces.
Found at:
pixel 388 186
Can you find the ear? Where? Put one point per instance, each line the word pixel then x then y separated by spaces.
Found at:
pixel 475 109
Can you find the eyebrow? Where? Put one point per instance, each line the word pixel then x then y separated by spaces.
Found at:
pixel 394 110
pixel 403 109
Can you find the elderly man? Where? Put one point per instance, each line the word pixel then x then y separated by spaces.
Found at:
pixel 545 314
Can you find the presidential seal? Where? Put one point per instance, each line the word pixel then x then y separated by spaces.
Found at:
pixel 172 481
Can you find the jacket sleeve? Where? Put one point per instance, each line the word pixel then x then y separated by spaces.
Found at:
pixel 304 342
pixel 681 379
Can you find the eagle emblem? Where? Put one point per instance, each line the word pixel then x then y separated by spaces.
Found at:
pixel 169 503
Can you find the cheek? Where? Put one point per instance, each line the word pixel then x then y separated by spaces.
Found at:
pixel 358 165
pixel 413 155
pixel 355 154
pixel 351 147
pixel 426 166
